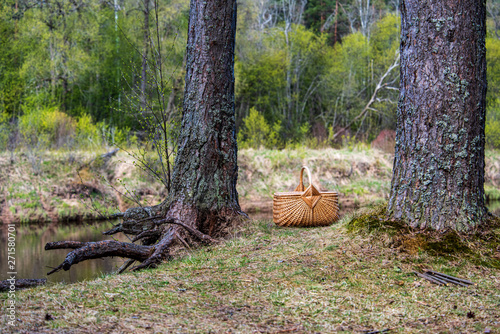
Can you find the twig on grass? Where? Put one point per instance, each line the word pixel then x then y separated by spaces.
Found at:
pixel 451 278
pixel 443 279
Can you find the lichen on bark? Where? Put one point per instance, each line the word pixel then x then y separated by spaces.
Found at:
pixel 439 158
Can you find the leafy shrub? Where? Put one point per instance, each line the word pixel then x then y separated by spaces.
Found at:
pixel 33 131
pixel 46 128
pixel 114 136
pixel 256 132
pixel 87 133
pixel 4 131
pixel 492 130
pixel 493 133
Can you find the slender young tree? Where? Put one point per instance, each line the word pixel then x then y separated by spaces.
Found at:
pixel 438 179
pixel 203 200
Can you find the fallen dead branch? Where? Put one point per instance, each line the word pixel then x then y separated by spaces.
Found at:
pixel 443 279
pixel 148 255
pixel 105 157
pixel 380 331
pixel 430 279
pixel 22 283
pixel 93 250
pixel 451 279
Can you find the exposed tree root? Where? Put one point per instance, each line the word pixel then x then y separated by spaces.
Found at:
pixel 151 234
pixel 94 250
pixel 125 266
pixel 65 245
pixel 203 237
pixel 156 233
pixel 21 283
pixel 160 253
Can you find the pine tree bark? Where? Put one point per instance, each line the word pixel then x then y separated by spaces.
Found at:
pixel 438 177
pixel 203 201
pixel 206 171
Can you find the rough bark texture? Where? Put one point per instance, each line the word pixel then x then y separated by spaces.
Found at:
pixel 205 173
pixel 203 200
pixel 439 159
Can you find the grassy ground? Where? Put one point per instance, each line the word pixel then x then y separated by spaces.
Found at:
pixel 354 276
pixel 361 176
pixel 274 280
pixel 64 186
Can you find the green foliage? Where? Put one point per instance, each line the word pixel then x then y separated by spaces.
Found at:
pixel 317 69
pixel 87 133
pixel 492 97
pixel 492 132
pixel 11 51
pixel 257 133
pixel 49 128
pixel 4 131
pixel 289 73
pixel 355 67
pixel 278 73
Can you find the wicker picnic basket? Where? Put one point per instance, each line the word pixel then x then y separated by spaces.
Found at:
pixel 305 207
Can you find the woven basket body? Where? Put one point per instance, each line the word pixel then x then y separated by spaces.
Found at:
pixel 305 207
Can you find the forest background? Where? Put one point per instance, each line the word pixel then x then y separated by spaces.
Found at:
pixel 74 74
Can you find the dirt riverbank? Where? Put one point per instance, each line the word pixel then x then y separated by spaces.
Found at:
pixel 67 186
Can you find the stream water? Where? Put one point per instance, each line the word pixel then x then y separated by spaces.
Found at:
pixel 32 261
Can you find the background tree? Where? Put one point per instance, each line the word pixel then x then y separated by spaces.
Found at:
pixel 439 164
pixel 203 200
pixel 312 65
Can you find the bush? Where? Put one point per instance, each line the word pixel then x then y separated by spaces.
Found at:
pixel 492 130
pixel 256 132
pixel 47 128
pixel 4 131
pixel 87 133
pixel 493 133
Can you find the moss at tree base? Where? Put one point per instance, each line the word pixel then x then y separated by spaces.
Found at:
pixel 481 246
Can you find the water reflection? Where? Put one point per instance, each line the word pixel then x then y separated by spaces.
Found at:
pixel 33 261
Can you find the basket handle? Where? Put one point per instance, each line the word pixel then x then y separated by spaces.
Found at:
pixel 301 184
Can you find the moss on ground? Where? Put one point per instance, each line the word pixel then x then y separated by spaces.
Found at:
pixel 480 247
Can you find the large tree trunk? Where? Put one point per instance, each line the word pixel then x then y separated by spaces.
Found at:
pixel 205 172
pixel 439 163
pixel 203 200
